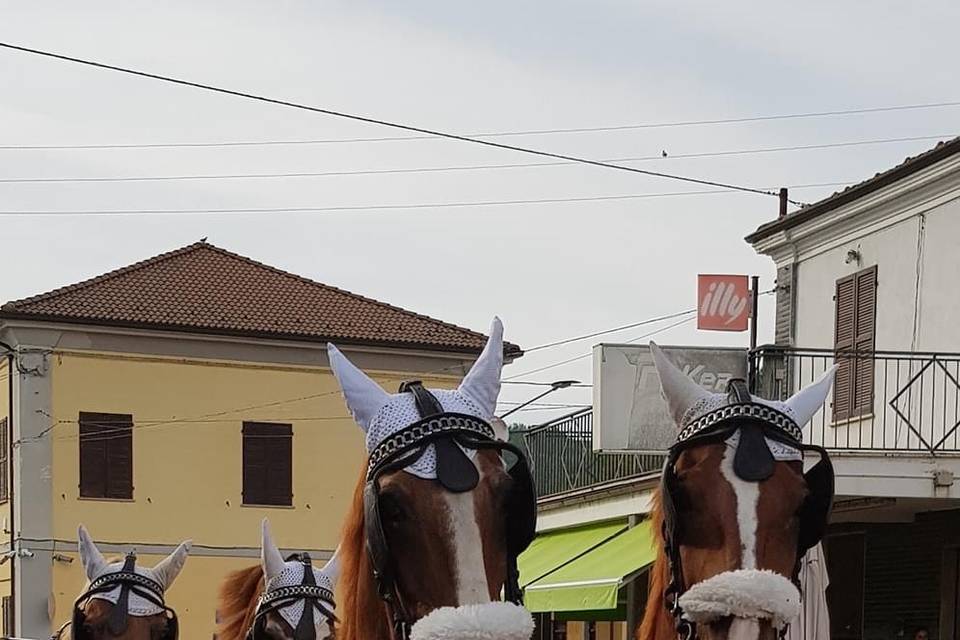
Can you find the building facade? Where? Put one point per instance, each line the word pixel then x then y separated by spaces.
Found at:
pixel 188 397
pixel 866 280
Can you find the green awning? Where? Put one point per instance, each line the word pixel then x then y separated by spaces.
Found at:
pixel 592 580
pixel 554 549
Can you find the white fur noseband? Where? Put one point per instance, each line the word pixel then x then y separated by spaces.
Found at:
pixel 490 621
pixel 745 593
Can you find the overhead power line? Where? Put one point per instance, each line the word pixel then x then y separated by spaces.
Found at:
pixel 481 167
pixel 497 134
pixel 385 207
pixel 386 123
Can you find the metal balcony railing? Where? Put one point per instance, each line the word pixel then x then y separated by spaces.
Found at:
pixel 884 401
pixel 562 456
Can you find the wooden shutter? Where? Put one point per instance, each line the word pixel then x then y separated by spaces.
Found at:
pixel 4 460
pixel 783 331
pixel 267 463
pixel 106 455
pixel 854 331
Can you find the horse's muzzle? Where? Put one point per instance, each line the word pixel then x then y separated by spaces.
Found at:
pixel 490 621
pixel 745 593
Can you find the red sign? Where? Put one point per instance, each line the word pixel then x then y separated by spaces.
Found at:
pixel 723 302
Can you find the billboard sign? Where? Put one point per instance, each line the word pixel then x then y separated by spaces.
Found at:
pixel 629 414
pixel 723 302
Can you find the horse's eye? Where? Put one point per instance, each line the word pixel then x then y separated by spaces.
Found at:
pixel 391 508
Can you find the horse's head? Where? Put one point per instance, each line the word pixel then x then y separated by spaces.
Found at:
pixel 297 601
pixel 443 519
pixel 123 600
pixel 739 512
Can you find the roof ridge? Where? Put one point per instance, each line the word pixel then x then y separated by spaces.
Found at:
pixel 109 275
pixel 358 296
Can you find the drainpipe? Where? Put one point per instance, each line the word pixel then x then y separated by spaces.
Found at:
pixel 11 368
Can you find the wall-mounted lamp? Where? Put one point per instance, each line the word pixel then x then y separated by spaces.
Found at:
pixel 853 255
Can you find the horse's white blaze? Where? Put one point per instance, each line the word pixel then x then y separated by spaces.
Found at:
pixel 744 629
pixel 748 497
pixel 471 573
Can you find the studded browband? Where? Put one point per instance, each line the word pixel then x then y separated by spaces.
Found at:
pixel 750 410
pixel 297 591
pixel 426 429
pixel 127 577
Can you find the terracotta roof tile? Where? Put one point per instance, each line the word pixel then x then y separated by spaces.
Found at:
pixel 206 289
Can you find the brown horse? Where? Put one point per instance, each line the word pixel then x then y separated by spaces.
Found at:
pixel 432 535
pixel 736 510
pixel 247 608
pixel 108 582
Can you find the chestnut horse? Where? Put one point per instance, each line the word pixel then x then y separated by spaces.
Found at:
pixel 278 599
pixel 736 510
pixel 110 582
pixel 437 519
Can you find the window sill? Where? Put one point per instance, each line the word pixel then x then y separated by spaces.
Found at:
pixel 846 422
pixel 91 499
pixel 267 506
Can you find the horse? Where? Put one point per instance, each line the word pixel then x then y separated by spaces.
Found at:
pixel 735 509
pixel 123 601
pixel 278 599
pixel 437 518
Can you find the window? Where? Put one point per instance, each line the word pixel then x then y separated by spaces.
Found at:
pixel 4 460
pixel 267 464
pixel 855 331
pixel 106 455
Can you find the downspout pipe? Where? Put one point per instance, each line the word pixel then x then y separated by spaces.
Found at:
pixel 11 490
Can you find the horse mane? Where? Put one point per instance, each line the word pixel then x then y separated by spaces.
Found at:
pixel 358 620
pixel 238 602
pixel 656 623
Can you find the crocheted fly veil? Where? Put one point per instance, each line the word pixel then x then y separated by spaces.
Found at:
pixel 433 434
pixel 757 433
pixel 301 593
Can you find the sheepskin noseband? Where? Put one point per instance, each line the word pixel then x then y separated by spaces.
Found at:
pixel 745 593
pixel 490 621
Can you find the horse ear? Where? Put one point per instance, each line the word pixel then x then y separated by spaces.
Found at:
pixel 364 397
pixel 93 561
pixel 677 388
pixel 270 557
pixel 482 382
pixel 807 401
pixel 332 568
pixel 169 568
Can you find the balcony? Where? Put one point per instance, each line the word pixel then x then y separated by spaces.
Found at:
pixel 883 401
pixel 563 459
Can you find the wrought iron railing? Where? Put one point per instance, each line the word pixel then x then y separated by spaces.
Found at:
pixel 884 401
pixel 563 458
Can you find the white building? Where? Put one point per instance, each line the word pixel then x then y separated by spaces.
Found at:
pixel 867 278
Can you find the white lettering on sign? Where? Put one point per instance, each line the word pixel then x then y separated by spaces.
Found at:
pixel 723 302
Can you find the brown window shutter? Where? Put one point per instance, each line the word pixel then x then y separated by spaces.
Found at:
pixel 4 460
pixel 844 329
pixel 865 340
pixel 267 463
pixel 783 331
pixel 106 455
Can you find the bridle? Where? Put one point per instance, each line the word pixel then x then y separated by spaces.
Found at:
pixel 753 462
pixel 314 597
pixel 129 581
pixel 456 472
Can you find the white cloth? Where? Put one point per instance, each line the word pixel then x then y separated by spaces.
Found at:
pixel 780 451
pixel 292 575
pixel 401 411
pixel 813 623
pixel 136 605
pixel 717 400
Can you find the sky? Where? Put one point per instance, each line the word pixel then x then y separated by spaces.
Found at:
pixel 551 270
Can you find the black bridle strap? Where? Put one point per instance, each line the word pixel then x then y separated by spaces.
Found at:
pixel 117 622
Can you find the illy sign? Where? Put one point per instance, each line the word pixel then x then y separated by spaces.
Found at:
pixel 723 302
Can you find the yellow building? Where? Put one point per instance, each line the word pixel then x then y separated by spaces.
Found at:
pixel 188 396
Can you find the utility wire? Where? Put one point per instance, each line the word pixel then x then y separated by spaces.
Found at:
pixel 496 134
pixel 387 207
pixel 482 167
pixel 386 123
pixel 606 331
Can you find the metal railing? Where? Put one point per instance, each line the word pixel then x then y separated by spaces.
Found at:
pixel 563 459
pixel 885 401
